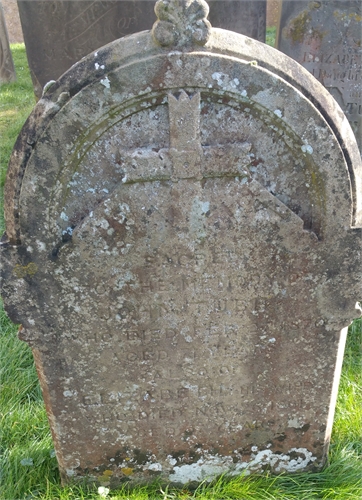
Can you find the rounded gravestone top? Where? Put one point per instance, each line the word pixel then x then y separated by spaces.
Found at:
pixel 179 236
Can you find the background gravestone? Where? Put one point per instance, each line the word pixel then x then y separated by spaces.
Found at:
pixel 182 249
pixel 326 38
pixel 247 17
pixel 7 69
pixel 59 33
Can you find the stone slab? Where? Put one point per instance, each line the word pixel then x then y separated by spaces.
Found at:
pixel 7 69
pixel 326 38
pixel 182 250
pixel 247 17
pixel 11 12
pixel 59 33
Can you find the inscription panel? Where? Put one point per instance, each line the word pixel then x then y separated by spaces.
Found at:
pixel 194 336
pixel 325 37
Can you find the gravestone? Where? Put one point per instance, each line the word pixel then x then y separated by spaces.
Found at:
pixel 7 69
pixel 59 33
pixel 247 17
pixel 326 38
pixel 182 237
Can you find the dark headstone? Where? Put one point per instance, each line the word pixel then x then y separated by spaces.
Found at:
pixel 7 69
pixel 326 38
pixel 182 251
pixel 247 17
pixel 59 33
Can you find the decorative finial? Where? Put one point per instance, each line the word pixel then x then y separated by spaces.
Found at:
pixel 181 22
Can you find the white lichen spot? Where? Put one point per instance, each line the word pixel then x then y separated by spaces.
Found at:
pixel 70 472
pixel 96 65
pixel 102 66
pixel 254 449
pixel 204 469
pixel 306 148
pixel 64 216
pixel 124 179
pixel 244 93
pixel 294 422
pixel 29 249
pixel 103 223
pixel 171 460
pixel 106 82
pixel 95 54
pixel 272 340
pixel 278 113
pixel 69 231
pixel 205 207
pixel 31 321
pixel 68 394
pixel 41 246
pixel 154 467
pixel 221 79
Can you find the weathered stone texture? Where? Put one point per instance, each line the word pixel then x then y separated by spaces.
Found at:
pixel 183 253
pixel 7 69
pixel 326 38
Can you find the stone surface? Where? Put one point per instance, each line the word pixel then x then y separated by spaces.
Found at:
pixel 7 69
pixel 326 38
pixel 182 250
pixel 272 15
pixel 247 17
pixel 59 33
pixel 13 24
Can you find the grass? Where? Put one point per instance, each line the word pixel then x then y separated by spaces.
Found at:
pixel 28 468
pixel 16 102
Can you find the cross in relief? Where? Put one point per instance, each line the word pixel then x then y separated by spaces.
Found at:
pixel 186 158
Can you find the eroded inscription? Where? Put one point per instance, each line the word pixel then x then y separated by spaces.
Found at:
pixel 325 37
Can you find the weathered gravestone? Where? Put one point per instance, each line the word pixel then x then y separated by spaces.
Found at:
pixel 326 38
pixel 59 33
pixel 7 69
pixel 182 250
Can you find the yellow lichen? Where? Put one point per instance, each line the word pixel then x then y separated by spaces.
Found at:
pixel 127 471
pixel 22 271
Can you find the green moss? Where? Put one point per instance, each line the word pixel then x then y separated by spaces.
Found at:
pixel 297 29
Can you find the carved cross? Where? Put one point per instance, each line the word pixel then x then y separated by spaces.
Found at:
pixel 186 158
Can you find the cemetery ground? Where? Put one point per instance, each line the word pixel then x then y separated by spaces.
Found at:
pixel 28 468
